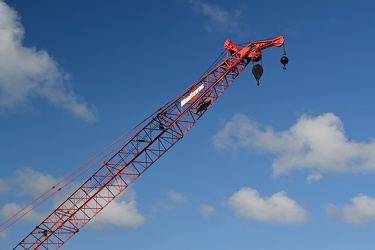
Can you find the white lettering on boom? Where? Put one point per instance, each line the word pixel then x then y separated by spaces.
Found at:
pixel 191 95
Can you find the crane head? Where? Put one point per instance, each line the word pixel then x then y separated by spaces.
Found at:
pixel 278 41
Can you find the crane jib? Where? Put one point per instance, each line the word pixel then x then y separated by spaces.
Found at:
pixel 144 148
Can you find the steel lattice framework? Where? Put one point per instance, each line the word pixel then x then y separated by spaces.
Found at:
pixel 143 149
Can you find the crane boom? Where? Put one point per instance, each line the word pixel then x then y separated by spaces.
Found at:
pixel 162 131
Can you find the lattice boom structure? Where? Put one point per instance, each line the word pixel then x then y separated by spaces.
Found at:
pixel 162 131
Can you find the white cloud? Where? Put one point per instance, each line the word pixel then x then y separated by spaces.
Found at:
pixel 176 197
pixel 25 182
pixel 314 143
pixel 314 177
pixel 122 211
pixel 26 73
pixel 10 209
pixel 360 211
pixel 219 20
pixel 207 210
pixel 31 182
pixel 275 209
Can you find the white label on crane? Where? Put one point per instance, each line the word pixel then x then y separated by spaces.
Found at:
pixel 192 95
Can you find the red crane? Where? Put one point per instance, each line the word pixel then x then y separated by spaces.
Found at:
pixel 165 128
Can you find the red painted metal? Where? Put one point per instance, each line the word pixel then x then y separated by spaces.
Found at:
pixel 144 148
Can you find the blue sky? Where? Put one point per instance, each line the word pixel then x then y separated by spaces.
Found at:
pixel 286 165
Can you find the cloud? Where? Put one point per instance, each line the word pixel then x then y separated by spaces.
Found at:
pixel 27 73
pixel 315 143
pixel 39 184
pixel 10 208
pixel 176 197
pixel 3 186
pixel 219 20
pixel 4 234
pixel 122 211
pixel 24 186
pixel 207 210
pixel 174 200
pixel 278 208
pixel 360 211
pixel 314 177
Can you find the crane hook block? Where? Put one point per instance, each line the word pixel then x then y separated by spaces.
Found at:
pixel 284 60
pixel 257 72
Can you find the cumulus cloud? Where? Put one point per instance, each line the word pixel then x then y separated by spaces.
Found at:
pixel 278 208
pixel 25 185
pixel 219 20
pixel 206 210
pixel 315 143
pixel 122 211
pixel 360 211
pixel 10 208
pixel 39 184
pixel 27 73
